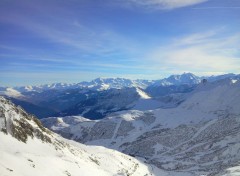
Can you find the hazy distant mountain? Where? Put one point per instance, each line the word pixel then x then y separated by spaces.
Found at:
pixel 174 84
pixel 98 98
pixel 220 77
pixel 185 78
pixel 116 83
pixel 96 84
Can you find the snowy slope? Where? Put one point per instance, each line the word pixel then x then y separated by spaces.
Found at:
pixel 146 102
pixel 223 95
pixel 37 158
pixel 201 136
pixel 27 149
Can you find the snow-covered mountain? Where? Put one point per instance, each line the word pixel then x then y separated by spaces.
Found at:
pixel 102 96
pixel 116 83
pixel 185 78
pixel 27 148
pixel 183 132
pixel 220 77
pixel 104 84
pixel 51 99
pixel 174 84
pixel 96 84
pixel 45 87
pixel 199 137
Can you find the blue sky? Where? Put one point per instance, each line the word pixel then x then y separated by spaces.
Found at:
pixel 45 41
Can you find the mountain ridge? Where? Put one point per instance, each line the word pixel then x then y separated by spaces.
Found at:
pixel 185 78
pixel 91 99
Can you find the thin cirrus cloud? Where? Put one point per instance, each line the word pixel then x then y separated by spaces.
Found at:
pixel 205 53
pixel 77 41
pixel 65 30
pixel 76 36
pixel 165 4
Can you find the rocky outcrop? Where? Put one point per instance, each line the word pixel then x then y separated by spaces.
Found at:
pixel 16 122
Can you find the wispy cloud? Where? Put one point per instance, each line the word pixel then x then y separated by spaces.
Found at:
pixel 200 53
pixel 81 38
pixel 165 4
pixel 67 31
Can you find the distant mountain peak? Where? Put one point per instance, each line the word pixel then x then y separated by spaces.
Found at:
pixel 185 78
pixel 184 75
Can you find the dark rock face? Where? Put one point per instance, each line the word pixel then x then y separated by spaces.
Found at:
pixel 16 122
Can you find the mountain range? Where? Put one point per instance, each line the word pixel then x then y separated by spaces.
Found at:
pixel 91 99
